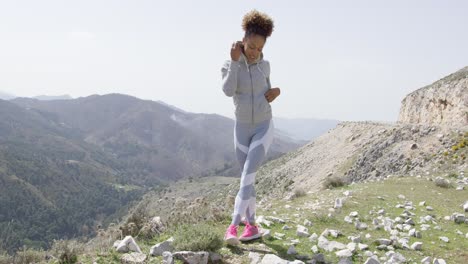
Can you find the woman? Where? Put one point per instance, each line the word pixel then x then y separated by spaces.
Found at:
pixel 246 78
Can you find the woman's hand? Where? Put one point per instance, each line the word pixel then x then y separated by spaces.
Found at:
pixel 272 93
pixel 236 50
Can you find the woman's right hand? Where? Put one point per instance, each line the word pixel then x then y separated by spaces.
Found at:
pixel 236 50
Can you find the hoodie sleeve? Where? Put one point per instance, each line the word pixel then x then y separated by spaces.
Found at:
pixel 229 75
pixel 268 74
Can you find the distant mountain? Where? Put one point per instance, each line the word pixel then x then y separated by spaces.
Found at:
pixel 6 96
pixel 304 128
pixel 52 183
pixel 49 98
pixel 169 143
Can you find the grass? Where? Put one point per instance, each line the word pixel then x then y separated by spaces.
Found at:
pixel 366 197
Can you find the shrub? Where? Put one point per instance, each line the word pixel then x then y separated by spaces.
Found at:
pixel 333 182
pixel 29 256
pixel 66 251
pixel 441 182
pixel 200 237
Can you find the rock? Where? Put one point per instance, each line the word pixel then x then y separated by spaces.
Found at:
pixel 133 258
pixel 128 244
pixel 417 246
pixel 291 250
pixel 423 203
pixel 158 249
pixel 401 196
pixel 445 239
pixel 307 223
pixel 383 241
pixel 338 203
pixel 279 236
pixel 429 208
pixel 426 260
pixel 347 193
pixel 354 214
pixel 410 222
pixel 459 218
pixel 266 233
pixel 396 257
pixel 465 206
pixel 255 258
pixel 355 239
pixel 116 244
pixel 286 227
pixel 215 257
pixel 275 219
pixel 345 261
pixel 363 246
pixel 439 261
pixel 319 258
pixel 302 231
pixel 190 257
pixel 313 237
pixel 315 249
pixel 372 261
pixel 351 246
pixel 348 219
pixel 360 226
pixel 262 221
pixel 381 212
pixel 270 258
pixel 167 258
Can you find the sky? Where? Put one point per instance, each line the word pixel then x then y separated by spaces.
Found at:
pixel 345 60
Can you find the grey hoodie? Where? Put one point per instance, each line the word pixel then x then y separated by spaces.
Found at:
pixel 247 84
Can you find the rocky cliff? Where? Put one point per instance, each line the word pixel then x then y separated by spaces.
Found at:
pixel 444 102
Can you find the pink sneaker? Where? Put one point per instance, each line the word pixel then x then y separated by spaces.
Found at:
pixel 231 235
pixel 250 232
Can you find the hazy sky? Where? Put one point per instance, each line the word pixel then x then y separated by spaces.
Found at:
pixel 347 60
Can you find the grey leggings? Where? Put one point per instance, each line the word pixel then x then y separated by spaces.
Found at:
pixel 251 143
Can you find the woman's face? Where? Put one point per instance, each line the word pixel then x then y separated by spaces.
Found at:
pixel 253 46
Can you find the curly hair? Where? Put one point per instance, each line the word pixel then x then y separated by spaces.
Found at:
pixel 255 22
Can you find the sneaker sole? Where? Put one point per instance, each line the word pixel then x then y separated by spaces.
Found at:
pixel 233 241
pixel 244 239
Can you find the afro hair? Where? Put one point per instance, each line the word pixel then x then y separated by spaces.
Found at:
pixel 255 22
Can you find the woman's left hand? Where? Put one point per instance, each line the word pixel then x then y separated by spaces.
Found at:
pixel 272 93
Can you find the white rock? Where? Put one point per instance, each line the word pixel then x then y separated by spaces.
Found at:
pixel 200 257
pixel 363 246
pixel 286 227
pixel 429 208
pixel 348 193
pixel 338 203
pixel 383 241
pixel 465 206
pixel 275 219
pixel 270 258
pixel 315 249
pixel 401 196
pixel 439 261
pixel 423 203
pixel 167 258
pixel 255 257
pixel 355 239
pixel 307 223
pixel 266 233
pixel 133 258
pixel 445 239
pixel 344 253
pixel 302 231
pixel 292 250
pixel 417 246
pixel 360 226
pixel 158 249
pixel 354 214
pixel 372 261
pixel 313 237
pixel 128 244
pixel 426 260
pixel 348 219
pixel 116 244
pixel 262 221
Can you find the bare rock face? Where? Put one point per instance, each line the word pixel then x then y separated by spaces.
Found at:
pixel 444 102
